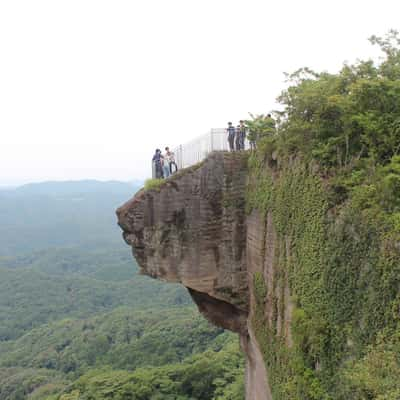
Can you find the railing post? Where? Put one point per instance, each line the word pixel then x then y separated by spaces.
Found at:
pixel 198 149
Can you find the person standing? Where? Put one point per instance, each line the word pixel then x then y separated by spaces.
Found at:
pixel 231 136
pixel 157 163
pixel 252 136
pixel 237 138
pixel 242 134
pixel 166 170
pixel 170 159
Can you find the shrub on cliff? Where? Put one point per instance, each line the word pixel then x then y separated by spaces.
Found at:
pixel 153 184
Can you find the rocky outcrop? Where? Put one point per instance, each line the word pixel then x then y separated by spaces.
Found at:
pixel 193 229
pixel 296 262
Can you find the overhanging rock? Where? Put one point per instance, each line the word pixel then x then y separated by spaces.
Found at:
pixel 192 230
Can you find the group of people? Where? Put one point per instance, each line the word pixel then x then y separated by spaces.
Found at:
pixel 236 136
pixel 164 165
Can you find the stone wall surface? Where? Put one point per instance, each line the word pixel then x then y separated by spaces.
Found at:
pixel 193 229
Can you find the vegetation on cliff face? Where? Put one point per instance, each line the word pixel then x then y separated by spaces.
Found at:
pixel 333 189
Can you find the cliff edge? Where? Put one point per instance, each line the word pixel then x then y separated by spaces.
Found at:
pixel 303 266
pixel 193 229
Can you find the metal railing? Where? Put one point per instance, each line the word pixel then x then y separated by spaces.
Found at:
pixel 198 149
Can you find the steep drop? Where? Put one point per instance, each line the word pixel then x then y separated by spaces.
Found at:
pixel 193 230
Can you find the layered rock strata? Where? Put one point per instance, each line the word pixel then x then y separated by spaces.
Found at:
pixel 193 229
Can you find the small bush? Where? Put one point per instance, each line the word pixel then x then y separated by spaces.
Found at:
pixel 153 184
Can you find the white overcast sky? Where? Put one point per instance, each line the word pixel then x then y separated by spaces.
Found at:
pixel 89 88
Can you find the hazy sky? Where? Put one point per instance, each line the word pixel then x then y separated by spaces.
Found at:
pixel 89 88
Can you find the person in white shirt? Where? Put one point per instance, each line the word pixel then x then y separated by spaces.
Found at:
pixel 170 160
pixel 166 169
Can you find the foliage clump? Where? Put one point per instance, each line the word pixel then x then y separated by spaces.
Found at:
pixel 330 179
pixel 341 118
pixel 153 184
pixel 260 127
pixel 211 375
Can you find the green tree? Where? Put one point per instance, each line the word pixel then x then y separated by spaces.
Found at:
pixel 340 118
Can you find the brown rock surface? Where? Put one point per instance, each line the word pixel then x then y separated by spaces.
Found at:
pixel 194 230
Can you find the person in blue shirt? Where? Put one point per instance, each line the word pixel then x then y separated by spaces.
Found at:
pixel 231 136
pixel 158 164
pixel 237 138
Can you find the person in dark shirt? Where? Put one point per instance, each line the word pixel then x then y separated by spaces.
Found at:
pixel 231 136
pixel 252 136
pixel 242 134
pixel 158 164
pixel 237 138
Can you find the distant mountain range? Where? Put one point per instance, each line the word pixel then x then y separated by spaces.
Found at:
pixel 48 214
pixel 74 187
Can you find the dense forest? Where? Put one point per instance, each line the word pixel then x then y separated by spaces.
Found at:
pixel 77 321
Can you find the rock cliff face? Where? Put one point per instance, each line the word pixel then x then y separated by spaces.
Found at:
pixel 193 229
